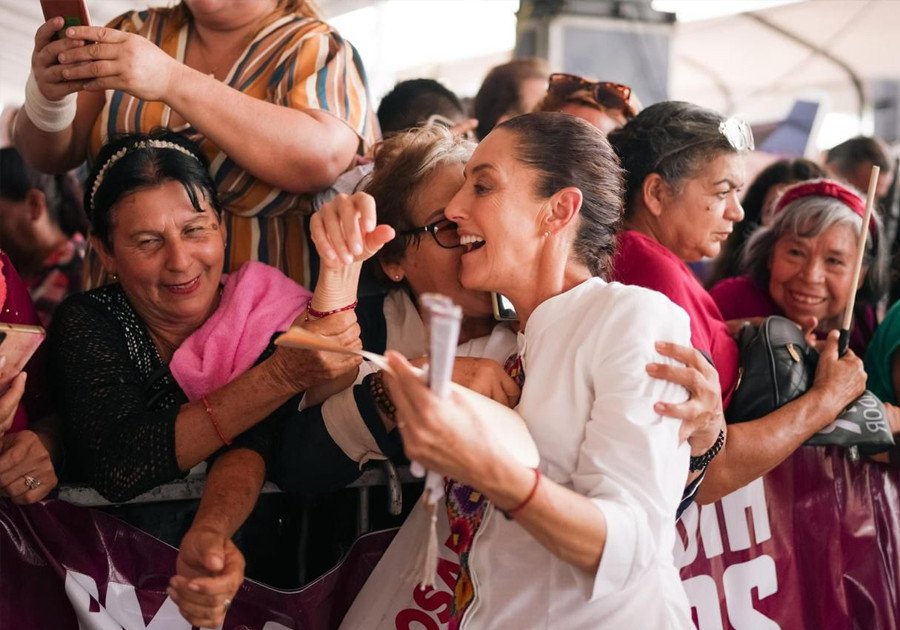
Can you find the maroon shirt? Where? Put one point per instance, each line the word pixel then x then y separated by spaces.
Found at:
pixel 643 262
pixel 740 298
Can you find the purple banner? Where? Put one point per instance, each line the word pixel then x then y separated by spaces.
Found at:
pixel 71 568
pixel 813 544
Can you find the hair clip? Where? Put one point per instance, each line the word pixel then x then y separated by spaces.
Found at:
pixel 143 144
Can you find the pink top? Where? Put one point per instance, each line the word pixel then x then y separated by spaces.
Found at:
pixel 642 261
pixel 740 297
pixel 257 301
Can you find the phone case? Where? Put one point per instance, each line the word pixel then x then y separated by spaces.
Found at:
pixel 503 309
pixel 19 343
pixel 75 12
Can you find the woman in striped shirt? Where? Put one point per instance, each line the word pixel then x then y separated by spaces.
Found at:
pixel 275 97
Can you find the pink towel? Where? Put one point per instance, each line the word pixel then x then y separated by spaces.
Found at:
pixel 258 301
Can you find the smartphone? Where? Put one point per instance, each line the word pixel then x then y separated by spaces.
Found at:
pixel 74 12
pixel 504 311
pixel 17 343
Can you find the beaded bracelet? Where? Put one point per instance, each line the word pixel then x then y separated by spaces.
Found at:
pixel 510 514
pixel 314 314
pixel 702 461
pixel 212 418
pixel 380 396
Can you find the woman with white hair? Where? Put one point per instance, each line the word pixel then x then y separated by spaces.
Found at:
pixel 801 266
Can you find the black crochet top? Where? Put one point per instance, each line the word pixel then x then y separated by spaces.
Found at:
pixel 117 398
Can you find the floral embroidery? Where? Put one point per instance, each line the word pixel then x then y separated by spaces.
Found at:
pixel 465 509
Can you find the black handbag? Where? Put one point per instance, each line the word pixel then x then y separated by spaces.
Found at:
pixel 777 366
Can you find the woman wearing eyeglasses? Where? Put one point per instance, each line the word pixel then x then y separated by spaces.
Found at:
pixel 685 170
pixel 604 104
pixel 415 174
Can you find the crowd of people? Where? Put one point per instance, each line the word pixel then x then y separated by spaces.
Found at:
pixel 237 185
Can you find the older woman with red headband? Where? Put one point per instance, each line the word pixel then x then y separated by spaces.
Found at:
pixel 801 266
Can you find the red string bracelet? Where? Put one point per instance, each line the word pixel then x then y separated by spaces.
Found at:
pixel 215 424
pixel 311 312
pixel 510 514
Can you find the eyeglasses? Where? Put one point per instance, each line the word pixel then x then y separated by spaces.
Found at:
pixel 736 131
pixel 604 93
pixel 444 232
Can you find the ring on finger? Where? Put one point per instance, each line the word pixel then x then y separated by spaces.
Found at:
pixel 33 483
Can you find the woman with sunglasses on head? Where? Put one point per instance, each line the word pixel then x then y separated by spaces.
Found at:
pixel 605 105
pixel 685 169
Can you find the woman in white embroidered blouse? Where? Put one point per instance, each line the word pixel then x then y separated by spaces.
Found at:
pixel 590 540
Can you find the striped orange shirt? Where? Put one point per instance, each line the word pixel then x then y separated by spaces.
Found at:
pixel 294 61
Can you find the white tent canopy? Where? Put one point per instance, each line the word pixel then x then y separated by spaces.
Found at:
pixel 757 63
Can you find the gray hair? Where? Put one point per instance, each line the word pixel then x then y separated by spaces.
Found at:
pixel 808 217
pixel 674 139
pixel 402 163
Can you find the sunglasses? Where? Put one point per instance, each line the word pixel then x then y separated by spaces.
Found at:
pixel 604 93
pixel 444 233
pixel 735 130
pixel 738 133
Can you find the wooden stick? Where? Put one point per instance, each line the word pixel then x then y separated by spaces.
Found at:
pixel 857 269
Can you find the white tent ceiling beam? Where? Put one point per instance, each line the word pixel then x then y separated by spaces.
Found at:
pixel 821 52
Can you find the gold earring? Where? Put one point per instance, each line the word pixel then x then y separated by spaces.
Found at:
pixel 547 234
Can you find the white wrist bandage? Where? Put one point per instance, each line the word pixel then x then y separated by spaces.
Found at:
pixel 47 115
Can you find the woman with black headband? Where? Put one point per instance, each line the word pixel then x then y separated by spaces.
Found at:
pixel 173 362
